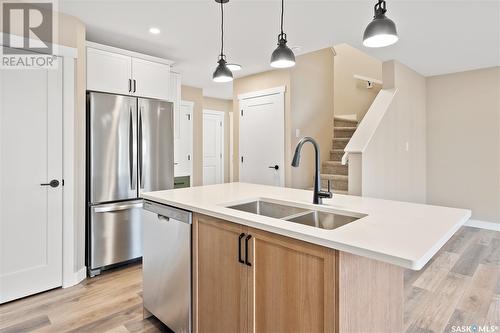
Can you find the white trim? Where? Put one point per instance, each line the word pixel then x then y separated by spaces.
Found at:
pixel 483 225
pixel 231 146
pixel 260 93
pixel 58 50
pixel 129 53
pixel 75 278
pixel 223 148
pixel 69 221
pixel 190 104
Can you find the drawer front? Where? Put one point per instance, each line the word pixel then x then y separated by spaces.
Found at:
pixel 181 182
pixel 115 233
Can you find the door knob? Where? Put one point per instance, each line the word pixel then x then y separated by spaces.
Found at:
pixel 53 183
pixel 276 167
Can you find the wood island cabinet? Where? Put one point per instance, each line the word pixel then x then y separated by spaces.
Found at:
pixel 249 280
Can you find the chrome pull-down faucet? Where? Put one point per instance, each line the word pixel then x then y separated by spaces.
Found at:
pixel 318 194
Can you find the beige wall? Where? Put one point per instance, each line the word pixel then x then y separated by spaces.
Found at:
pixel 312 110
pixel 308 107
pixel 463 142
pixel 351 95
pixel 226 106
pixel 393 163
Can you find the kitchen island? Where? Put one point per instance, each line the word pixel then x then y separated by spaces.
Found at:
pixel 266 259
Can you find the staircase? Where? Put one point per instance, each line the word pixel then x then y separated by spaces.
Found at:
pixel 333 169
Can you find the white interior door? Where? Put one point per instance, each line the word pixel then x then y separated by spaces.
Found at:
pixel 183 142
pixel 30 155
pixel 213 144
pixel 262 139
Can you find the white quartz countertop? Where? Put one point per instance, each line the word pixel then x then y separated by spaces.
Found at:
pixel 400 233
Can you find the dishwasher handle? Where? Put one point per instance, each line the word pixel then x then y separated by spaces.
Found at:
pixel 166 213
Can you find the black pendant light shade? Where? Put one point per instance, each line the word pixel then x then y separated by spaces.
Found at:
pixel 381 31
pixel 222 73
pixel 283 56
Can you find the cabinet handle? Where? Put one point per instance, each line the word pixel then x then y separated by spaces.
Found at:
pixel 135 85
pixel 246 250
pixel 129 85
pixel 239 248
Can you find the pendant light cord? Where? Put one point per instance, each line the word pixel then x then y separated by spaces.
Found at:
pixel 282 10
pixel 222 30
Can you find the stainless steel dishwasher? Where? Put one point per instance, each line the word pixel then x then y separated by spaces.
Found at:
pixel 166 264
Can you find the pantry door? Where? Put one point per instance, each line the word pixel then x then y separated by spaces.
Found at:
pixel 262 137
pixel 30 181
pixel 213 147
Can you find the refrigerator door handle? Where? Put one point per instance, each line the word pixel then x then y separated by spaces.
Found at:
pixel 141 142
pixel 115 207
pixel 131 150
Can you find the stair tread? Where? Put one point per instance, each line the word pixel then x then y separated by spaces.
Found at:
pixel 333 176
pixel 332 162
pixel 344 119
pixel 344 128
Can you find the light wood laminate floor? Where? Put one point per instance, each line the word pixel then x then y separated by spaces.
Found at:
pixel 460 286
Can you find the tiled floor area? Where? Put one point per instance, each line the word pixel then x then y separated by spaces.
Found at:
pixel 460 286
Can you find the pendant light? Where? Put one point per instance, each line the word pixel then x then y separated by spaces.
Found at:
pixel 222 73
pixel 283 56
pixel 381 31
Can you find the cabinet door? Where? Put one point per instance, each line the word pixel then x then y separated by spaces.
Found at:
pixel 152 79
pixel 291 285
pixel 108 72
pixel 220 280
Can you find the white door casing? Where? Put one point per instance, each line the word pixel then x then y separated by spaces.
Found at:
pixel 183 142
pixel 31 146
pixel 262 137
pixel 213 147
pixel 231 147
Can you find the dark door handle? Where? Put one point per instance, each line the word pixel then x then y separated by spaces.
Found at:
pixel 53 183
pixel 239 248
pixel 246 250
pixel 276 167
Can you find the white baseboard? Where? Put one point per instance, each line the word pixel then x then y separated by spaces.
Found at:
pixel 76 278
pixel 483 225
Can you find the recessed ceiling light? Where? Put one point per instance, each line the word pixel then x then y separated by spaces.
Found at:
pixel 154 31
pixel 234 67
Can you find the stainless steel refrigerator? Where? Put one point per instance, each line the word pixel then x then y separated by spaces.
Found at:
pixel 130 150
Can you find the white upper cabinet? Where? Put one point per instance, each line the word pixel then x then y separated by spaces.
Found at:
pixel 151 79
pixel 109 72
pixel 125 72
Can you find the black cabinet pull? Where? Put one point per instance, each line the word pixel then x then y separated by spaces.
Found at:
pixel 135 85
pixel 239 248
pixel 246 250
pixel 129 85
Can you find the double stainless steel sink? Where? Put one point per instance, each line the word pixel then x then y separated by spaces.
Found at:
pixel 315 218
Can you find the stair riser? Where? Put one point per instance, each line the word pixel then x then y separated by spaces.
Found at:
pixel 336 184
pixel 336 155
pixel 339 144
pixel 335 169
pixel 344 123
pixel 343 133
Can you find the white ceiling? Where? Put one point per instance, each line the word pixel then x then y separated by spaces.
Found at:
pixel 436 37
